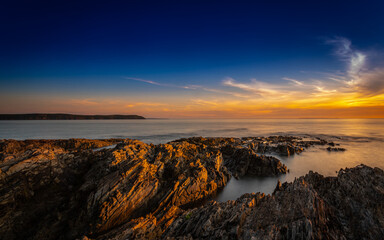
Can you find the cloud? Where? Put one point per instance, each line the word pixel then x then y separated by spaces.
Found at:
pixel 297 82
pixel 322 90
pixel 357 85
pixel 84 102
pixel 356 60
pixel 358 75
pixel 356 65
pixel 205 102
pixel 190 87
pixel 372 82
pixel 150 82
pixel 256 87
pixel 342 46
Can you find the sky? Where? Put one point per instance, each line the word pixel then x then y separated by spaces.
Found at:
pixel 193 59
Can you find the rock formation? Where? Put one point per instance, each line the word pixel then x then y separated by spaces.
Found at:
pixel 350 206
pixel 64 189
pixel 52 189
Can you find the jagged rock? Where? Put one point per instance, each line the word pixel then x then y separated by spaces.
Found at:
pixel 240 158
pixel 58 189
pixel 350 206
pixel 38 178
pixel 244 161
pixel 141 179
pixel 64 189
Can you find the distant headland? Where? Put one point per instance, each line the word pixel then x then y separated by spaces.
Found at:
pixel 61 116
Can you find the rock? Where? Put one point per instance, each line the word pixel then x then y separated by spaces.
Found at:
pixel 141 179
pixel 64 189
pixel 241 159
pixel 59 189
pixel 335 149
pixel 38 183
pixel 349 206
pixel 244 161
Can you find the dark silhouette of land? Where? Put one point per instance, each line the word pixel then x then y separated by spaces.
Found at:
pixel 61 116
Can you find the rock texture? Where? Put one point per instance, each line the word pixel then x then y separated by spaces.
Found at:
pixel 246 156
pixel 350 206
pixel 39 180
pixel 57 189
pixel 240 158
pixel 65 189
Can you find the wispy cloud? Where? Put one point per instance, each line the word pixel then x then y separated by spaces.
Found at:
pixel 372 82
pixel 190 87
pixel 205 102
pixel 357 78
pixel 297 82
pixel 359 75
pixel 153 82
pixel 256 87
pixel 356 60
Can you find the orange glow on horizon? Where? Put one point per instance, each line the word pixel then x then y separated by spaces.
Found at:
pixel 337 106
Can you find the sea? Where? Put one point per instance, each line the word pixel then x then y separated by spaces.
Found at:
pixel 363 140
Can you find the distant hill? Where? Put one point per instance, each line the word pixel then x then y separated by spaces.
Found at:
pixel 59 116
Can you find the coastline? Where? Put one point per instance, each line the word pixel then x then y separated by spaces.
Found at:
pixel 53 188
pixel 64 116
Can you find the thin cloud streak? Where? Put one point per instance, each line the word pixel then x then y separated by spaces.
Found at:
pixel 189 87
pixel 297 82
pixel 152 82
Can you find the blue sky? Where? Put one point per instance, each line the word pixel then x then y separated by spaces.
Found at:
pixel 91 50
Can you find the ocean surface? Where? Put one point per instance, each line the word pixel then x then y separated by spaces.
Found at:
pixel 363 139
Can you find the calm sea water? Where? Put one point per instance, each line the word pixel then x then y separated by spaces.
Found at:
pixel 363 139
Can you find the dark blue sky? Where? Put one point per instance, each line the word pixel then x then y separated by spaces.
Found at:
pixel 88 47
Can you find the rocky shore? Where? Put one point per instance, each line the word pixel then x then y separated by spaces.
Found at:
pixel 82 189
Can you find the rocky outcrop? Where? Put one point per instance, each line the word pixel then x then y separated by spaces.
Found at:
pixel 65 189
pixel 246 156
pixel 38 184
pixel 350 206
pixel 240 158
pixel 140 179
pixel 59 189
pixel 244 161
pixel 282 145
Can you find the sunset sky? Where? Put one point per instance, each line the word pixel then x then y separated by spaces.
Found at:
pixel 193 59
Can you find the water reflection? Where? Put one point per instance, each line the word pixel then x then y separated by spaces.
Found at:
pixel 317 159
